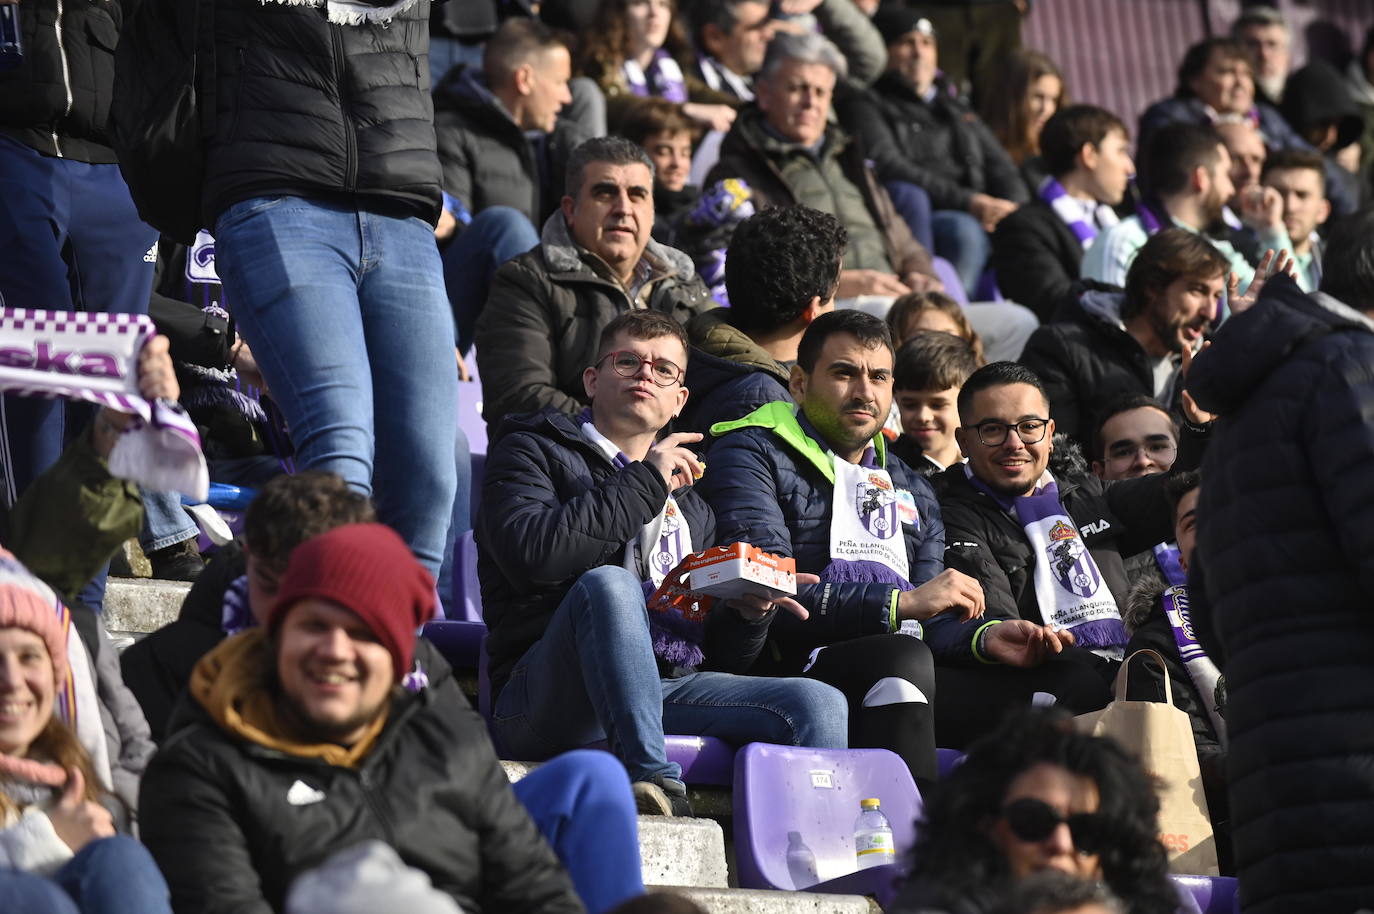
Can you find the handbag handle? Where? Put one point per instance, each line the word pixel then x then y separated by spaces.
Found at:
pixel 1121 675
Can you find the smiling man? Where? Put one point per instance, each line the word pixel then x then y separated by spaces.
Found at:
pixel 595 261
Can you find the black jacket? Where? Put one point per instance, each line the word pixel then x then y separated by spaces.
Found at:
pixel 1286 546
pixel 217 818
pixel 1036 258
pixel 554 508
pixel 940 145
pixel 58 98
pixel 1087 360
pixel 488 160
pixel 308 108
pixel 1115 519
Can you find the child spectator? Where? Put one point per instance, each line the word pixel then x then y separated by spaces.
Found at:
pixel 667 134
pixel 910 314
pixel 930 369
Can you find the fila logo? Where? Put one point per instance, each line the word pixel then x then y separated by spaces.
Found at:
pixel 1096 527
pixel 302 794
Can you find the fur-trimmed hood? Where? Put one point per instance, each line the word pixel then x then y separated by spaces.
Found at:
pixel 564 255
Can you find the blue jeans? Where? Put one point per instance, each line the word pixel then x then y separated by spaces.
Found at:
pixel 113 876
pixel 593 676
pixel 460 520
pixel 165 521
pixel 960 239
pixel 913 205
pixel 346 314
pixel 582 805
pixel 495 235
pixel 447 53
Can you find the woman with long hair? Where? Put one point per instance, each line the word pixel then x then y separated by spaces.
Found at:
pixel 1033 796
pixel 636 50
pixel 1029 90
pixel 58 848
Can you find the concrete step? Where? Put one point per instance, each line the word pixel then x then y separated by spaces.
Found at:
pixel 142 605
pixel 753 901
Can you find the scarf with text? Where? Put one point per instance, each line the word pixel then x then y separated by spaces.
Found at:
pixel 1201 669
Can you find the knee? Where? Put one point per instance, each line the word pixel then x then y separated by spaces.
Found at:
pixel 902 657
pixel 506 222
pixel 119 852
pixel 613 586
pixel 33 895
pixel 590 772
pixel 821 715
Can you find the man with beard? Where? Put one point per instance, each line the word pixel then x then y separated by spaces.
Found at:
pixel 1134 342
pixel 1186 172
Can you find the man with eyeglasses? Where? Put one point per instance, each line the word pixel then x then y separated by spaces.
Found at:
pixel 595 261
pixel 1135 436
pixel 582 518
pixel 1045 540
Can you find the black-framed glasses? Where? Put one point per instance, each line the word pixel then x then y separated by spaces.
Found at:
pixel 664 372
pixel 994 434
pixel 1160 452
pixel 1033 820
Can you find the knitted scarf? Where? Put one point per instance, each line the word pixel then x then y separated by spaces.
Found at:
pixel 1068 209
pixel 663 78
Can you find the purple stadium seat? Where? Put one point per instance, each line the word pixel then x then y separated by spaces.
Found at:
pixel 816 792
pixel 1213 894
pixel 987 288
pixel 947 760
pixel 460 642
pixel 705 760
pixel 945 272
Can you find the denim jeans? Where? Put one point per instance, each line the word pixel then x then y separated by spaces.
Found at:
pixel 165 521
pixel 960 239
pixel 582 805
pixel 593 676
pixel 495 235
pixel 346 314
pixel 913 205
pixel 114 876
pixel 460 521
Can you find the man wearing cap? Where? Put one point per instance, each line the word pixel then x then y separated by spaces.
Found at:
pixel 317 731
pixel 917 129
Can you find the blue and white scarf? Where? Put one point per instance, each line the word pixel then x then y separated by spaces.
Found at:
pixel 1071 211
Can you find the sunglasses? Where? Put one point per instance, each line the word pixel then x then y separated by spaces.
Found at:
pixel 1033 820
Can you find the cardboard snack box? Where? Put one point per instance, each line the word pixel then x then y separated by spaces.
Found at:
pixel 729 571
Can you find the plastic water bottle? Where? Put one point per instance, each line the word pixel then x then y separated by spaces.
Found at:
pixel 801 863
pixel 873 843
pixel 11 46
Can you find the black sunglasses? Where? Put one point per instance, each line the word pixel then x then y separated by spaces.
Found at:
pixel 1033 820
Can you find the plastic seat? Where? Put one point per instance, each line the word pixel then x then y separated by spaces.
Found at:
pixel 945 272
pixel 1213 894
pixel 987 288
pixel 816 793
pixel 946 760
pixel 459 641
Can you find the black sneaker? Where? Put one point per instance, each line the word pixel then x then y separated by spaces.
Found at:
pixel 662 797
pixel 177 562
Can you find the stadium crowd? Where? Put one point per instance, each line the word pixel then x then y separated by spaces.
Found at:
pixel 1022 386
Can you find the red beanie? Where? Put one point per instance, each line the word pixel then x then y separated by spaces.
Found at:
pixel 370 571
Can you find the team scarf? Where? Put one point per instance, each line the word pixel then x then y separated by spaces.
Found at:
pixel 663 79
pixel 1201 669
pixel 94 357
pixel 721 78
pixel 1071 211
pixel 353 12
pixel 1068 585
pixel 676 631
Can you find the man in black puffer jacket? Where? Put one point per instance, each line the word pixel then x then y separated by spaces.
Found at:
pixel 322 188
pixel 1286 554
pixel 307 736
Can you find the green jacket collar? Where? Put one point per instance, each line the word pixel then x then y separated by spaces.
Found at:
pixel 781 419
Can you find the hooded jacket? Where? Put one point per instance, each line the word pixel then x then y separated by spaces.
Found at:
pixel 488 160
pixel 771 484
pixel 728 375
pixel 425 780
pixel 1037 258
pixel 1282 603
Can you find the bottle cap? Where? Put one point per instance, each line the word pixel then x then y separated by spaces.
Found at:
pixel 871 803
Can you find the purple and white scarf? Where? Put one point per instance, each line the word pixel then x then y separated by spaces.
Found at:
pixel 1201 669
pixel 1071 211
pixel 663 79
pixel 1069 588
pixel 94 357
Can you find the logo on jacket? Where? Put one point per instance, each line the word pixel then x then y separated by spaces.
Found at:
pixel 302 794
pixel 877 506
pixel 1066 555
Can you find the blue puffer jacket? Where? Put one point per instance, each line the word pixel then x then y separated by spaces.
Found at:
pixel 771 484
pixel 1286 547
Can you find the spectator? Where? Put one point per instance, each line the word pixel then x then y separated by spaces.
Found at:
pixel 582 518
pixel 323 189
pixel 1187 172
pixel 1055 892
pixel 1300 181
pixel 307 709
pixel 847 25
pixel 58 843
pixel 666 134
pixel 782 269
pixel 1029 91
pixel 1266 35
pixel 792 481
pixel 1037 251
pixel 1359 77
pixel 1032 797
pixel 731 37
pixel 920 311
pixel 975 37
pixel 1291 377
pixel 1246 148
pixel 1131 342
pixel 1136 436
pixel 1324 112
pixel 504 150
pixel 636 49
pixel 918 130
pixel 1215 84
pixel 931 367
pixel 595 260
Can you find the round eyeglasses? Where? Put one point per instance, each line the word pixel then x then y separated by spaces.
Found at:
pixel 663 372
pixel 994 434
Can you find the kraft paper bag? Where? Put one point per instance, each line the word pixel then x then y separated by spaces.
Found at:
pixel 1162 737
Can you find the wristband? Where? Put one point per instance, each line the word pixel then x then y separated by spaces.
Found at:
pixel 892 623
pixel 980 640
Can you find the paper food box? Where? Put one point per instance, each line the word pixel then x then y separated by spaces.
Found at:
pixel 729 571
